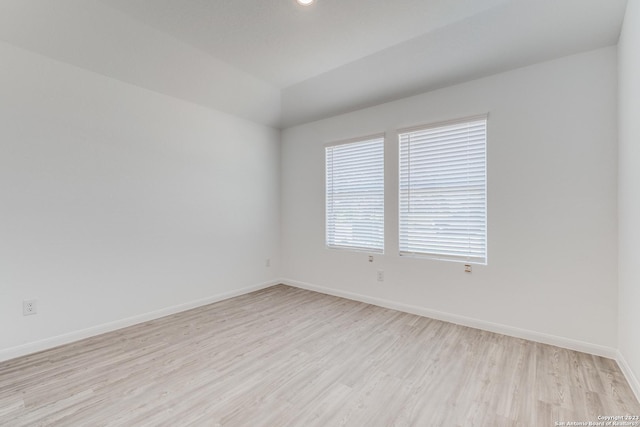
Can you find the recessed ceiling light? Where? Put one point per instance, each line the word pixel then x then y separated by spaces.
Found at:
pixel 305 2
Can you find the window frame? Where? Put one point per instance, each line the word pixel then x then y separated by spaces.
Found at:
pixel 435 255
pixel 327 241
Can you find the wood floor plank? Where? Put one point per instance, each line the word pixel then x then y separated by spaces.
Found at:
pixel 289 357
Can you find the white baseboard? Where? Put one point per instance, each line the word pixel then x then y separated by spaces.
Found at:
pixel 543 338
pixel 633 381
pixel 70 337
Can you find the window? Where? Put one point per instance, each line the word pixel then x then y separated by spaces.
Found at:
pixel 355 194
pixel 443 195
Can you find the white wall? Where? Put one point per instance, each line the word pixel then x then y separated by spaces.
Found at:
pixel 629 191
pixel 117 201
pixel 552 197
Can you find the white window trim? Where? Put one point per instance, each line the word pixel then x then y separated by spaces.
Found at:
pixel 328 246
pixel 434 125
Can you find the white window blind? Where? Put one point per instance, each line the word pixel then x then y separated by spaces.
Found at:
pixel 443 196
pixel 355 195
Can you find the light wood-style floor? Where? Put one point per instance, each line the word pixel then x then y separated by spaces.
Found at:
pixel 289 357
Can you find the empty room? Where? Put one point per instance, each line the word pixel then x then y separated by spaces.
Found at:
pixel 319 213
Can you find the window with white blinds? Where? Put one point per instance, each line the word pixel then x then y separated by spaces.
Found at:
pixel 443 192
pixel 355 194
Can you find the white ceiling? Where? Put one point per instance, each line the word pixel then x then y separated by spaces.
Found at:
pixel 280 64
pixel 284 43
pixel 339 55
pixel 512 35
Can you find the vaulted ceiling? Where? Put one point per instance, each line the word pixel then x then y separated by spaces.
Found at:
pixel 287 64
pixel 284 43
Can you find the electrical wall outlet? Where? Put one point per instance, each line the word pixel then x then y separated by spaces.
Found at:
pixel 370 258
pixel 467 268
pixel 29 307
pixel 380 276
